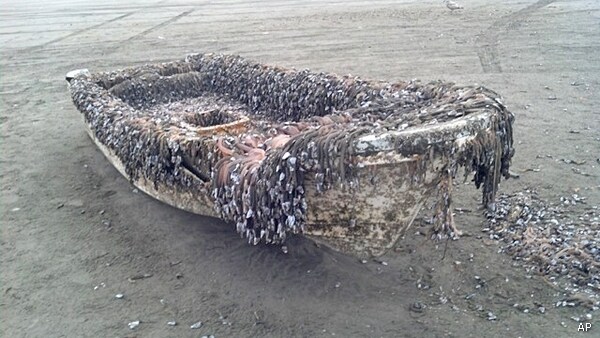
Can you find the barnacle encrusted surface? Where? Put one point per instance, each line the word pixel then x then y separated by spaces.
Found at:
pixel 247 134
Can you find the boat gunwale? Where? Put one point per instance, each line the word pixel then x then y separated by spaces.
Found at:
pixel 363 145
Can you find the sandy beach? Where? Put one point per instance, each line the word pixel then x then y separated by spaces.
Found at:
pixel 75 233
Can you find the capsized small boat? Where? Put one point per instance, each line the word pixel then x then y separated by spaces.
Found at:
pixel 344 161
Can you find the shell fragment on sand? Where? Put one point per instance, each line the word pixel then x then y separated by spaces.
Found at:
pixel 196 325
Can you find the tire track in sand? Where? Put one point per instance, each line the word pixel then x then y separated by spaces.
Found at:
pixel 162 24
pixel 77 32
pixel 487 42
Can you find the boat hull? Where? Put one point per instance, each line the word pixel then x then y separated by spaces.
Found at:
pixel 365 220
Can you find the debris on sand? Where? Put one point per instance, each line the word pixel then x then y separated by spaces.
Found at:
pixel 552 239
pixel 138 277
pixel 417 307
pixel 134 324
pixel 101 285
pixel 452 6
pixel 580 172
pixel 196 325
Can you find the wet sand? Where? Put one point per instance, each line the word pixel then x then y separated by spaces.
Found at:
pixel 74 231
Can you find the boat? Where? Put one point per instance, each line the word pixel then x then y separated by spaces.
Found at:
pixel 275 151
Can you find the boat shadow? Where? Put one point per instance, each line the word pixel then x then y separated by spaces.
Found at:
pixel 306 268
